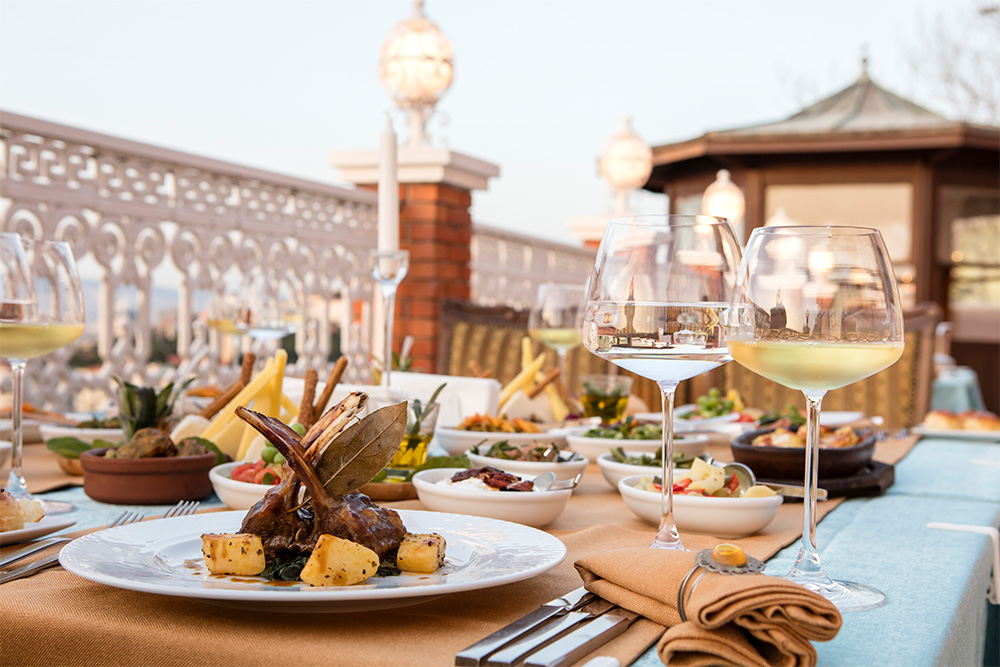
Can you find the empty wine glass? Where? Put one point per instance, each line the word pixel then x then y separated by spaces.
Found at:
pixel 815 309
pixel 269 309
pixel 654 307
pixel 555 320
pixel 41 310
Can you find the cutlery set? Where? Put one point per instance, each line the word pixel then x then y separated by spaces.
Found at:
pixel 182 508
pixel 559 632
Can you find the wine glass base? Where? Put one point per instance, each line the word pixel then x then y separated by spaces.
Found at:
pixel 56 506
pixel 845 595
pixel 667 538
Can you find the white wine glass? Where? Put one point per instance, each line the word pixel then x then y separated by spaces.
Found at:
pixel 815 309
pixel 555 320
pixel 268 310
pixel 41 310
pixel 223 316
pixel 654 307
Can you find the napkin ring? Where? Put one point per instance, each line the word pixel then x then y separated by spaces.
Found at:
pixel 723 559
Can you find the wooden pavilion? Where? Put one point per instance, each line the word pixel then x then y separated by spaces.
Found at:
pixel 865 156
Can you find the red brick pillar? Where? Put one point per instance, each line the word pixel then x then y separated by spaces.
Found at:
pixel 436 227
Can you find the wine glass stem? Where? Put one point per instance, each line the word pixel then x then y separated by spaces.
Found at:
pixel 666 535
pixel 562 368
pixel 17 486
pixel 807 563
pixel 389 299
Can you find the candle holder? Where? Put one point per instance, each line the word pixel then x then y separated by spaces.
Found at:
pixel 389 267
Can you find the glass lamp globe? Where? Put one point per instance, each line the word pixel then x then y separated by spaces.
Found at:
pixel 626 161
pixel 724 199
pixel 415 63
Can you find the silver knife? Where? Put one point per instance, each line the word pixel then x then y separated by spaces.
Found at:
pixel 478 652
pixel 547 633
pixel 29 569
pixel 583 641
pixel 32 548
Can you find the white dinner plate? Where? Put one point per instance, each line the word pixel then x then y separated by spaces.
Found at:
pixel 30 430
pixel 47 524
pixel 835 419
pixel 164 557
pixel 959 434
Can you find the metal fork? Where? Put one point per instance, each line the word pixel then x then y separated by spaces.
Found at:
pixel 123 519
pixel 183 508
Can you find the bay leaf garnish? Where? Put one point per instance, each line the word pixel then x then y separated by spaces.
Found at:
pixel 360 452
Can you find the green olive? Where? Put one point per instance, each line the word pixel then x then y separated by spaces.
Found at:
pixel 268 454
pixel 299 428
pixel 278 459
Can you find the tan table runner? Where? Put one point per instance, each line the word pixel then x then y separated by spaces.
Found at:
pixel 55 618
pixel 41 469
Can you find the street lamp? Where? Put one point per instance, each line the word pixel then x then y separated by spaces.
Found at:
pixel 724 199
pixel 415 66
pixel 625 163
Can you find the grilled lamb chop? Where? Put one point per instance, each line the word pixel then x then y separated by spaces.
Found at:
pixel 286 525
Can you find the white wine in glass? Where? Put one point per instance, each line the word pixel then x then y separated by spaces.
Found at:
pixel 816 309
pixel 555 320
pixel 41 310
pixel 655 307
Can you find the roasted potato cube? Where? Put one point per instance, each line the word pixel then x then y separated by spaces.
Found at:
pixel 339 562
pixel 420 552
pixel 233 553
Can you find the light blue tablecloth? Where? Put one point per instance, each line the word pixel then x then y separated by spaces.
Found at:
pixel 935 582
pixel 957 389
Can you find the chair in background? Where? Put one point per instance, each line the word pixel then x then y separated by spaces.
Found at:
pixel 900 394
pixel 489 337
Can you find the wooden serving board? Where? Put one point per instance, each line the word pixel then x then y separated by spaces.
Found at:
pixel 872 480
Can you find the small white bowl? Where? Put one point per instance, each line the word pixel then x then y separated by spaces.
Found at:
pixel 531 508
pixel 88 435
pixel 236 495
pixel 721 517
pixel 456 441
pixel 615 471
pixel 562 470
pixel 592 448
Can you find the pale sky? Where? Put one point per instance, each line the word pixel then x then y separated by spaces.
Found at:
pixel 539 85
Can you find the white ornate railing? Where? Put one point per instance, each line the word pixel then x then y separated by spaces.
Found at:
pixel 507 267
pixel 141 217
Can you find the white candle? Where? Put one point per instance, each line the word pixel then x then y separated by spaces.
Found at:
pixel 388 190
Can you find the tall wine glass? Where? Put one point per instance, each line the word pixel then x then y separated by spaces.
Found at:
pixel 555 320
pixel 41 310
pixel 815 309
pixel 269 310
pixel 654 307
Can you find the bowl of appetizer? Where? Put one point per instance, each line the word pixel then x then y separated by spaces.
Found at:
pixel 490 492
pixel 704 502
pixel 620 463
pixel 485 429
pixel 67 442
pixel 779 453
pixel 635 435
pixel 150 469
pixel 241 484
pixel 531 458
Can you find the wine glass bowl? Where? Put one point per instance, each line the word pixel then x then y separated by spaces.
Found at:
pixel 555 319
pixel 816 309
pixel 655 304
pixel 41 310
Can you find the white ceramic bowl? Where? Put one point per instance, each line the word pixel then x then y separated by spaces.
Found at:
pixel 562 470
pixel 592 448
pixel 88 435
pixel 615 471
pixel 455 441
pixel 688 425
pixel 235 495
pixel 531 508
pixel 721 517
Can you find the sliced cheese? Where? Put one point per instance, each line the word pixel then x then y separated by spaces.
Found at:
pixel 192 426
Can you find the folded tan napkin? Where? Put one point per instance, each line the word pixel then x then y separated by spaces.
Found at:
pixel 748 619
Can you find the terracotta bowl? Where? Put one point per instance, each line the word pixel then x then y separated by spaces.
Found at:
pixel 154 481
pixel 788 463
